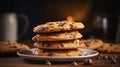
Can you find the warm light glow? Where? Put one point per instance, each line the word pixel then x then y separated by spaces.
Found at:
pixel 70 19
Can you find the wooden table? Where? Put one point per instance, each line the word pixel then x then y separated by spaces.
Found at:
pixel 99 61
pixel 16 61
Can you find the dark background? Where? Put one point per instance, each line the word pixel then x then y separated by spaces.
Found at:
pixel 41 11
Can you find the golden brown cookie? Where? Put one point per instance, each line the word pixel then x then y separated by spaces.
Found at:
pixel 58 26
pixel 92 43
pixel 71 52
pixel 73 44
pixel 11 47
pixel 60 36
pixel 109 48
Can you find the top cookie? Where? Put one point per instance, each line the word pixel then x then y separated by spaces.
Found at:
pixel 58 26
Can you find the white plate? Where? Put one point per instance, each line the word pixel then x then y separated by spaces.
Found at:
pixel 27 54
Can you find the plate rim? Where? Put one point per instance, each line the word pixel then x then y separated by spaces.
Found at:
pixel 51 57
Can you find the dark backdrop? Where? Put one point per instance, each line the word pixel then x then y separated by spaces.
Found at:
pixel 40 11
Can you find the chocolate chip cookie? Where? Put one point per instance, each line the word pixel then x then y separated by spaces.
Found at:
pixel 92 43
pixel 11 47
pixel 71 52
pixel 109 48
pixel 60 44
pixel 58 26
pixel 59 36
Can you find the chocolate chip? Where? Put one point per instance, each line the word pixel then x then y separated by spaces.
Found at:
pixel 105 57
pixel 48 63
pixel 46 44
pixel 61 45
pixel 113 61
pixel 43 29
pixel 88 62
pixel 115 56
pixel 72 36
pixel 111 57
pixel 74 63
pixel 71 26
pixel 87 44
pixel 101 55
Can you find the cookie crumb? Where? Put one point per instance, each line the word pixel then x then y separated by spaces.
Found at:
pixel 48 62
pixel 74 63
pixel 105 57
pixel 88 62
pixel 113 61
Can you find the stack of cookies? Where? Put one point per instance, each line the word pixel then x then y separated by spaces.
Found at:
pixel 59 38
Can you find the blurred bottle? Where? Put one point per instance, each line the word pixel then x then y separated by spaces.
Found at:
pixel 117 39
pixel 101 26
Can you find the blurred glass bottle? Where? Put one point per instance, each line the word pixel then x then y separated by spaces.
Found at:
pixel 100 26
